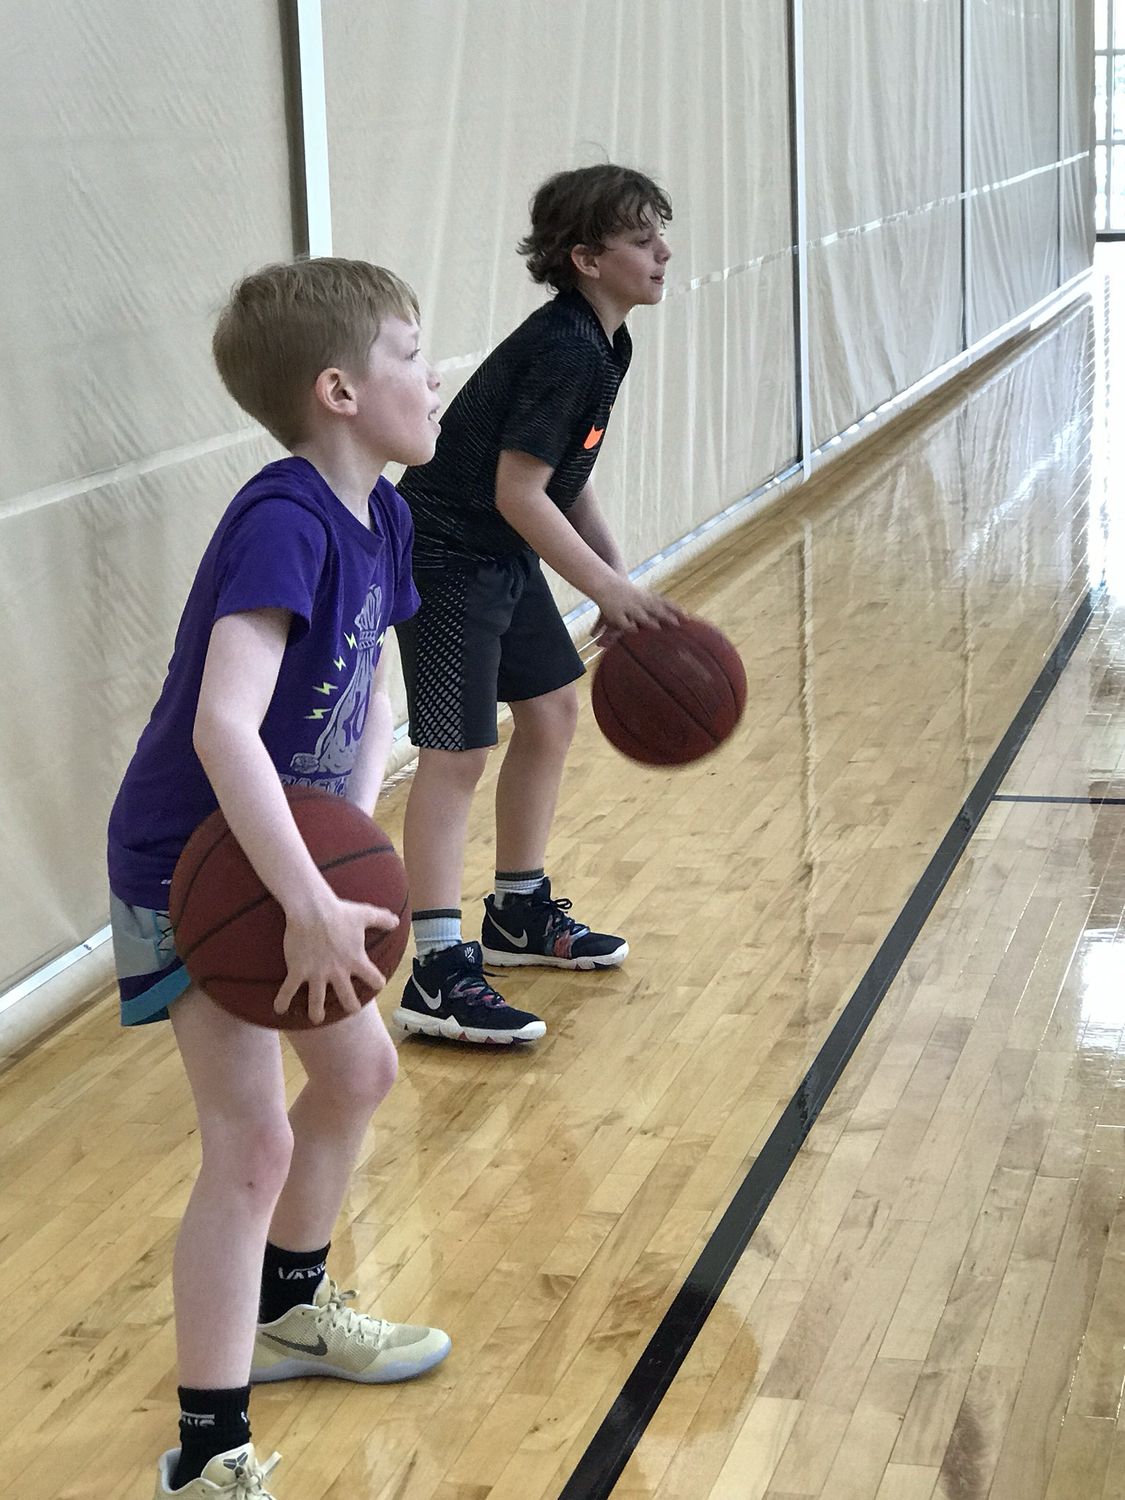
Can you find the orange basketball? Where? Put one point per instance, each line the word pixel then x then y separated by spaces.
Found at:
pixel 229 930
pixel 669 695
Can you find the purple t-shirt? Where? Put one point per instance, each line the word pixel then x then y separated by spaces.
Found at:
pixel 285 542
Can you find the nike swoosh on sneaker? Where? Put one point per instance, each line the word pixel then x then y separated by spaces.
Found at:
pixel 516 942
pixel 433 1001
pixel 320 1347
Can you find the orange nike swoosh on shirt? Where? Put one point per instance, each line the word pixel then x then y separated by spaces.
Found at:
pixel 594 437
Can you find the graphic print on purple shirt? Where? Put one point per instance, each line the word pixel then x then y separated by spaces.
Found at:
pixel 285 542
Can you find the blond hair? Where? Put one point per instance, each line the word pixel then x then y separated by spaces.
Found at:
pixel 286 323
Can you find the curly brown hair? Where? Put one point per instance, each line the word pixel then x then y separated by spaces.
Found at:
pixel 584 207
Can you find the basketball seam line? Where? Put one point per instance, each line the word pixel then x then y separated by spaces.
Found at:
pixel 606 709
pixel 203 858
pixel 294 796
pixel 683 706
pixel 277 983
pixel 235 916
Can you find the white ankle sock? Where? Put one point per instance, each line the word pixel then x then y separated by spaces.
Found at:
pixel 511 883
pixel 435 930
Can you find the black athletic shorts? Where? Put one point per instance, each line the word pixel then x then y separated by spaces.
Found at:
pixel 485 633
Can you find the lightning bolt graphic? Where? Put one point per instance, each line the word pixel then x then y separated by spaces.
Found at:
pixel 351 640
pixel 339 664
pixel 317 713
pixel 325 688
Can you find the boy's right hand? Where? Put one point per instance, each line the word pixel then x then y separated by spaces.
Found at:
pixel 624 607
pixel 327 948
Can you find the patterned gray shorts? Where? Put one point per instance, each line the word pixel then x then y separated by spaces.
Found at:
pixel 150 973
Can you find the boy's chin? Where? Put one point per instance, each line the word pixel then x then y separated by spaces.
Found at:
pixel 420 452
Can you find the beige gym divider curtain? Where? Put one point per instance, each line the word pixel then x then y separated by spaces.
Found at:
pixel 444 115
pixel 883 151
pixel 1014 141
pixel 1076 135
pixel 146 165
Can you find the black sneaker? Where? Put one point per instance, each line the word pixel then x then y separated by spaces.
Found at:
pixel 536 929
pixel 449 996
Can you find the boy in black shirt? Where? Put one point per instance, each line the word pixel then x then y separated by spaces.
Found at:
pixel 509 484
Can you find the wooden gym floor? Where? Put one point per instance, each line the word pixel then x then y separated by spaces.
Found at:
pixel 932 1299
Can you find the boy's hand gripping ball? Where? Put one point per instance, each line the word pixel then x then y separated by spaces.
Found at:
pixel 229 930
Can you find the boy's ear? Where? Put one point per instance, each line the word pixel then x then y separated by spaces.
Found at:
pixel 333 392
pixel 585 261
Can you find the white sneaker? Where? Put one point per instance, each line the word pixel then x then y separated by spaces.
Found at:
pixel 326 1338
pixel 234 1475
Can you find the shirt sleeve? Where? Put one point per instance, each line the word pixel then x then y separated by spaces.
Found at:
pixel 406 599
pixel 551 401
pixel 272 557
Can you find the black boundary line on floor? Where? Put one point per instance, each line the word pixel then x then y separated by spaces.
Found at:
pixel 600 1466
pixel 1027 797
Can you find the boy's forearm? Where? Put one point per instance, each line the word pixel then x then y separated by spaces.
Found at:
pixel 561 546
pixel 366 780
pixel 250 794
pixel 591 525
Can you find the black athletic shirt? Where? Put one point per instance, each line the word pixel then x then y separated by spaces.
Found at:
pixel 547 390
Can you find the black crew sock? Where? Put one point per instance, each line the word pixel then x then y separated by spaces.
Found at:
pixel 210 1422
pixel 289 1277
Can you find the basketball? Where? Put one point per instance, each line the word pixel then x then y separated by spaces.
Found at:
pixel 668 696
pixel 229 930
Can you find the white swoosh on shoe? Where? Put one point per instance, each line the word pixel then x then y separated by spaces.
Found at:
pixel 433 1001
pixel 516 942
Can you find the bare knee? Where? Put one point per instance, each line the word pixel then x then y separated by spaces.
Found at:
pixel 548 721
pixel 458 769
pixel 349 1086
pixel 251 1152
pixel 361 1086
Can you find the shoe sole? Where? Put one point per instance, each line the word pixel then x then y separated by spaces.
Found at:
pixel 497 958
pixel 452 1031
pixel 386 1374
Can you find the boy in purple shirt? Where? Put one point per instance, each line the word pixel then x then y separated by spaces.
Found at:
pixel 277 676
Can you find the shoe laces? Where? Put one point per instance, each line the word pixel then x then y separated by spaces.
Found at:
pixel 337 1315
pixel 557 920
pixel 249 1477
pixel 476 989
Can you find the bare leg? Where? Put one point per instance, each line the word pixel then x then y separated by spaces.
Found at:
pixel 437 820
pixel 528 786
pixel 351 1066
pixel 234 1070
